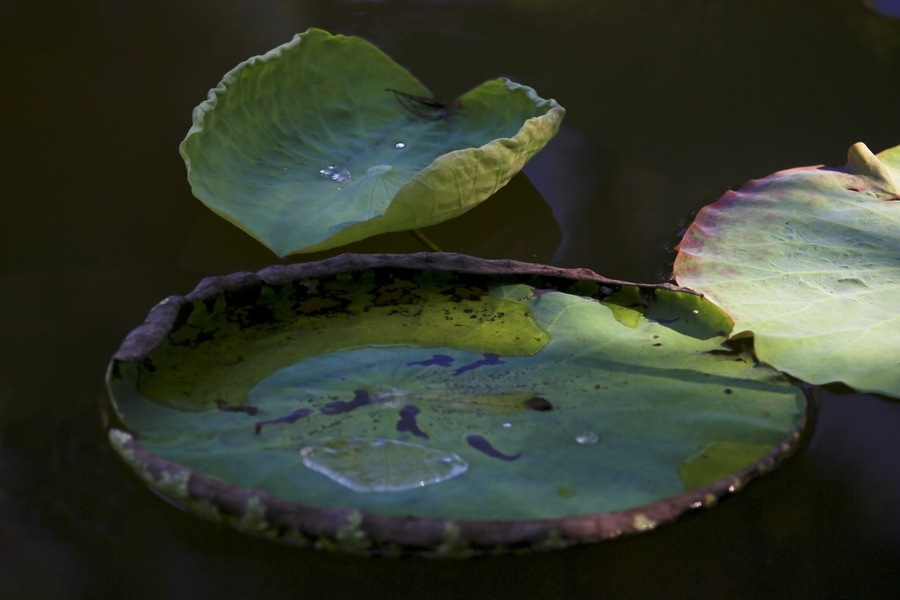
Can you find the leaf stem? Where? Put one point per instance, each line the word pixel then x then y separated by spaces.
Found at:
pixel 417 233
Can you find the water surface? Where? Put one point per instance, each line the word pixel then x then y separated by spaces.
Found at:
pixel 669 104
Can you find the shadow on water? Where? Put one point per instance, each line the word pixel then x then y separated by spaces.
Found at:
pixel 669 104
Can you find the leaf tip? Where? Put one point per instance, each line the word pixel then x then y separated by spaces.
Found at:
pixel 862 162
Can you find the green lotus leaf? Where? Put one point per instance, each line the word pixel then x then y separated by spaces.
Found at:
pixel 807 261
pixel 325 140
pixel 442 396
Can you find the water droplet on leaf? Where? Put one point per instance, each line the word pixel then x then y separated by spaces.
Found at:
pixel 387 396
pixel 336 173
pixel 587 437
pixel 378 169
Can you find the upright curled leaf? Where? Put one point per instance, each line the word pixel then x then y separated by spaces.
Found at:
pixel 325 141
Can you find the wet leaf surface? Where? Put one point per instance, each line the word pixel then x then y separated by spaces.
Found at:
pixel 435 395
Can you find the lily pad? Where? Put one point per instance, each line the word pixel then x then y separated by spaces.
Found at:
pixel 807 261
pixel 449 405
pixel 325 140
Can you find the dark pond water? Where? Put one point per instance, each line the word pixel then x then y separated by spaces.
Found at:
pixel 670 103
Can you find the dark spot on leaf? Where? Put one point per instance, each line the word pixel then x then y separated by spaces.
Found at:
pixel 538 403
pixel 441 360
pixel 489 359
pixel 657 344
pixel 360 398
pixel 484 446
pixel 225 407
pixel 408 423
pixel 727 390
pixel 291 418
pixel 473 293
pixel 316 305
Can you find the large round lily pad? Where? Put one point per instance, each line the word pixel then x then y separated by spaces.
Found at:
pixel 808 261
pixel 325 141
pixel 442 404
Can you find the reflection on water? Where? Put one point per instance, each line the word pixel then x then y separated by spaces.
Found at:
pixel 610 214
pixel 669 103
pixel 851 429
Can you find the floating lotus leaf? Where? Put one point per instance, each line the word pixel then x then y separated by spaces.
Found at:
pixel 808 261
pixel 447 411
pixel 325 141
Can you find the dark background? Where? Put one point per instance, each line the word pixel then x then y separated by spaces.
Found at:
pixel 669 104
